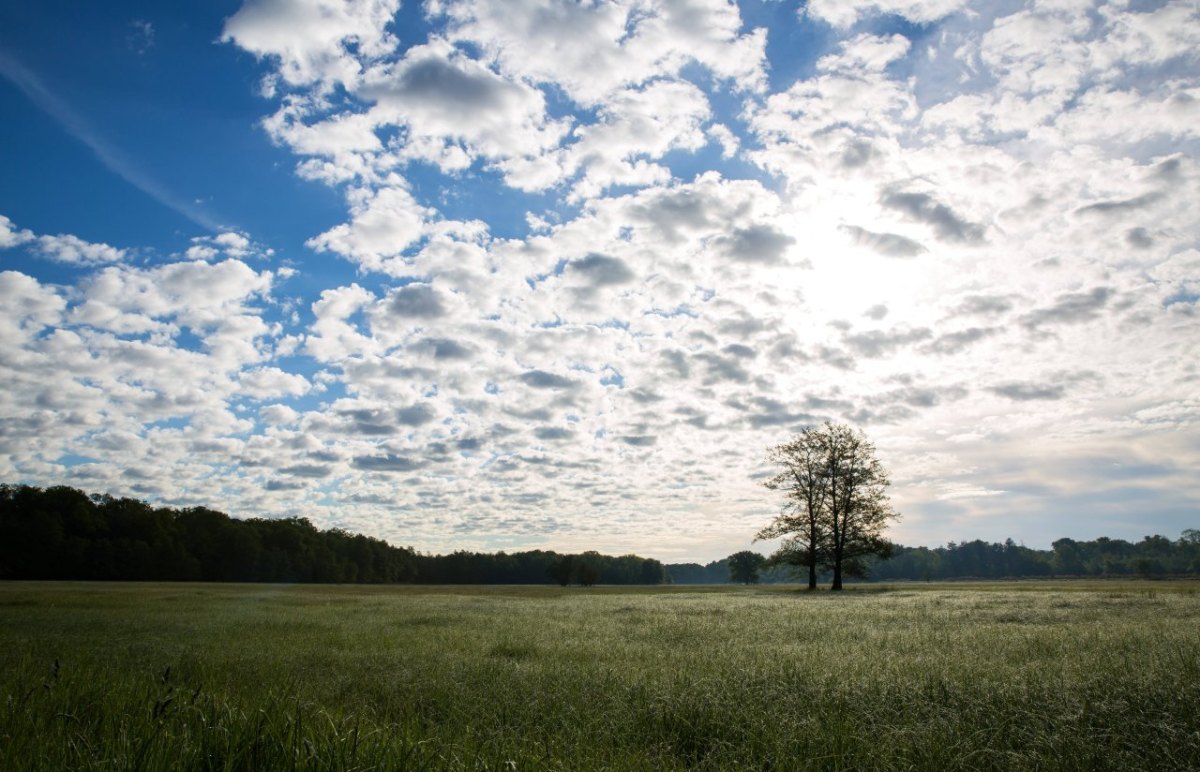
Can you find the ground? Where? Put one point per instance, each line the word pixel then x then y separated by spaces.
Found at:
pixel 1047 675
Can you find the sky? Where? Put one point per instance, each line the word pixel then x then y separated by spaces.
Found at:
pixel 550 274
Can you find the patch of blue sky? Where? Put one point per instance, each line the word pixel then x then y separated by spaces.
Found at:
pixel 611 324
pixel 668 313
pixel 481 194
pixel 172 423
pixel 794 41
pixel 613 378
pixel 74 459
pixel 687 165
pixel 149 141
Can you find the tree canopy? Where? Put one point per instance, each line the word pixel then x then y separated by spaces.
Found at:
pixel 744 566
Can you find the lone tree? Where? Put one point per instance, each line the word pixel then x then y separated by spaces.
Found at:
pixel 744 566
pixel 836 503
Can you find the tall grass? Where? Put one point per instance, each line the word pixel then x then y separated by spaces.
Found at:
pixel 269 677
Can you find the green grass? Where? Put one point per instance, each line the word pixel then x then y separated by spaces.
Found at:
pixel 1097 675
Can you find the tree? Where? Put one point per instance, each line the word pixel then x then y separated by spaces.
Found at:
pixel 562 570
pixel 859 509
pixel 836 503
pixel 744 566
pixel 806 491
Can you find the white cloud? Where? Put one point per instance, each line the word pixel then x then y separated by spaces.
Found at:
pixel 72 249
pixel 312 39
pixel 63 248
pixel 10 236
pixel 592 51
pixel 845 13
pixel 441 96
pixel 384 224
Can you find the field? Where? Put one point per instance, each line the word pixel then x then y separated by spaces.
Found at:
pixel 1019 676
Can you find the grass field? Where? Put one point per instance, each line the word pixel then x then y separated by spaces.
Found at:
pixel 1082 675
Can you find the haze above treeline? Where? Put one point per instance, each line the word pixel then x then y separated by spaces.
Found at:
pixel 63 533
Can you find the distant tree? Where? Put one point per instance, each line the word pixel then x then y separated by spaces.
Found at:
pixel 562 570
pixel 804 515
pixel 586 573
pixel 836 503
pixel 744 566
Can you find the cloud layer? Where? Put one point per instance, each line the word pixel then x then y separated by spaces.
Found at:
pixel 947 239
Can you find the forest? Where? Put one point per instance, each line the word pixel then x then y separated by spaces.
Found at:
pixel 63 533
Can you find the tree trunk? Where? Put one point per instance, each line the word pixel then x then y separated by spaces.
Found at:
pixel 837 568
pixel 812 573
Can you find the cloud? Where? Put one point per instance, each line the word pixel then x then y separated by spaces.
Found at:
pixel 227 244
pixel 1110 208
pixel 982 305
pixel 384 224
pixel 923 207
pixel 63 248
pixel 415 415
pixel 74 250
pixel 540 379
pixel 442 97
pixel 959 340
pixel 268 382
pixel 1069 308
pixel 845 13
pixel 888 244
pixel 553 433
pixel 602 271
pixel 1026 392
pixel 10 236
pixel 140 38
pixel 386 463
pixel 760 243
pixel 416 301
pixel 312 40
pixel 315 471
pixel 612 46
pixel 879 343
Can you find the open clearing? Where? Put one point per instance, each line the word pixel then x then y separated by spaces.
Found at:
pixel 1088 675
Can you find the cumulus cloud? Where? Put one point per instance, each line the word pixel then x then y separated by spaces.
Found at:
pixel 384 224
pixel 313 40
pixel 63 248
pixel 10 236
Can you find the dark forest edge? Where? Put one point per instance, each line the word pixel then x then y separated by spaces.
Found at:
pixel 63 533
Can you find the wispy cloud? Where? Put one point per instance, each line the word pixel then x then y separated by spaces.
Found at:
pixel 112 158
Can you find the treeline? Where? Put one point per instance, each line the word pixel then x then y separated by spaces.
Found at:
pixel 538 567
pixel 717 572
pixel 1152 556
pixel 62 533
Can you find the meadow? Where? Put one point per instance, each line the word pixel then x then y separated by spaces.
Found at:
pixel 1039 675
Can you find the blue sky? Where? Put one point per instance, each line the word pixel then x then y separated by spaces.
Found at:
pixel 480 275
